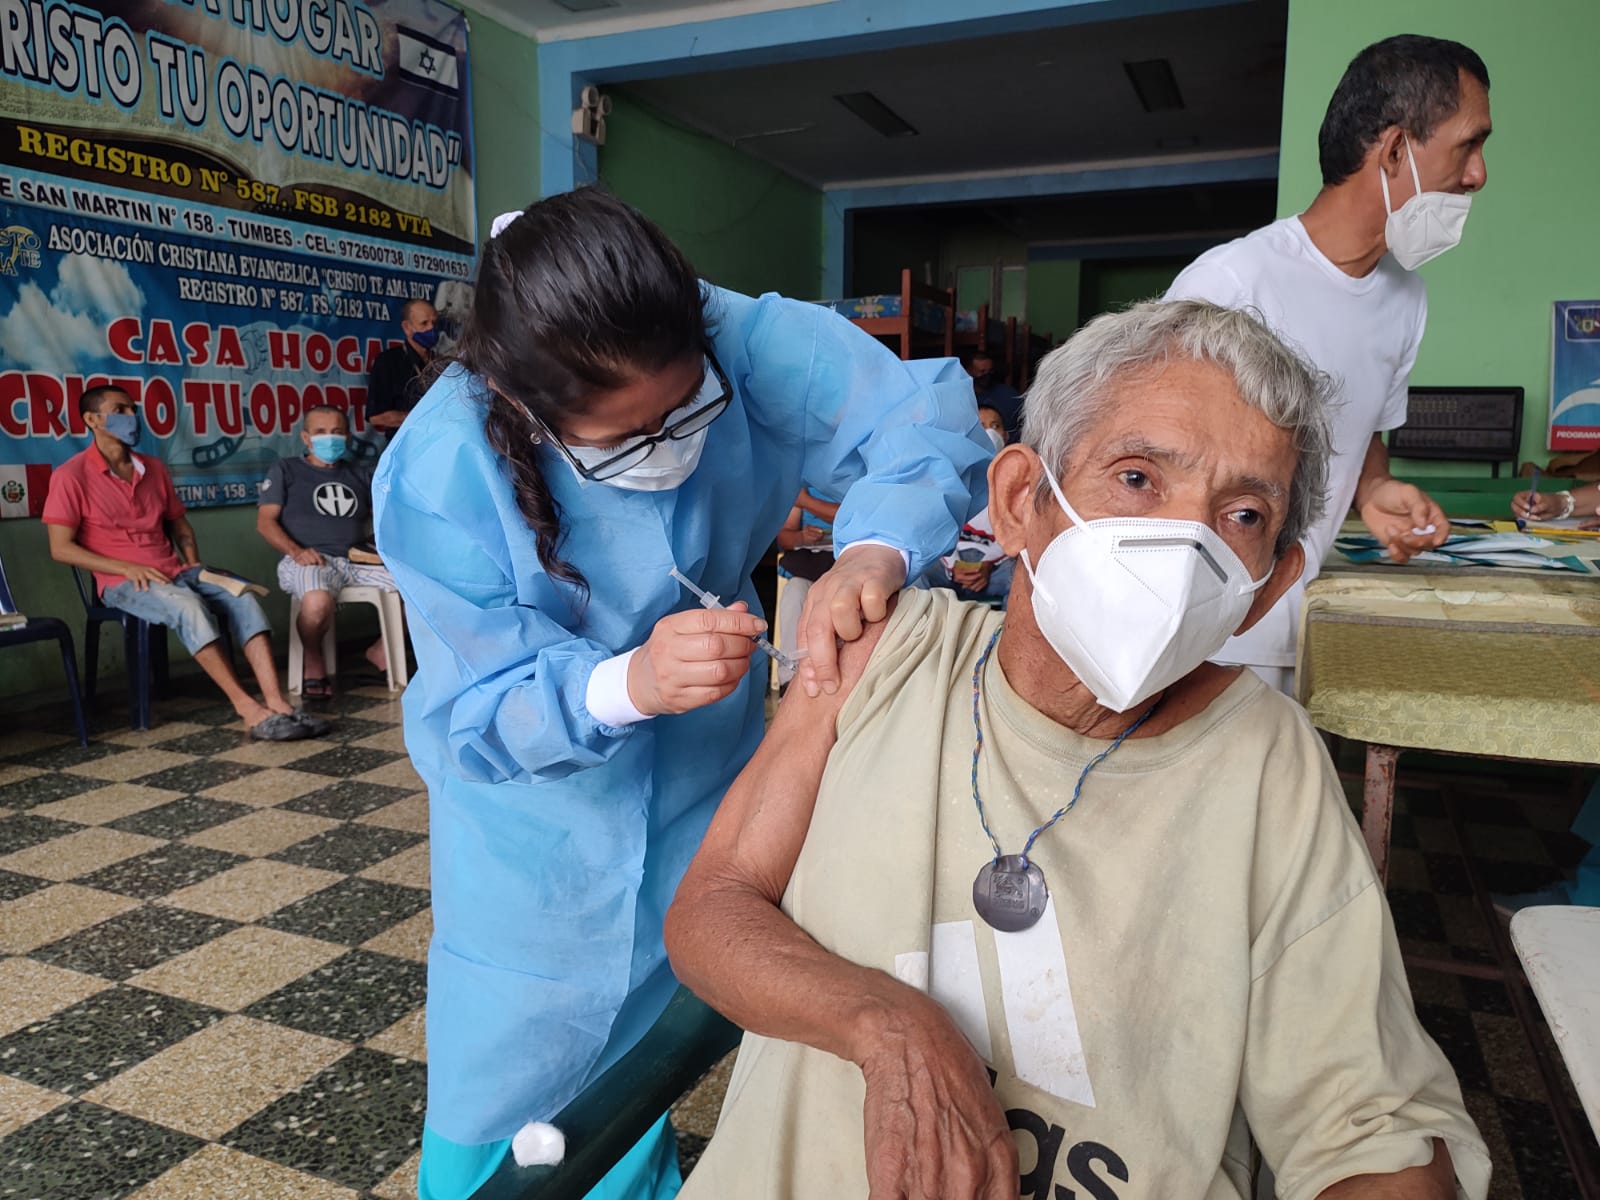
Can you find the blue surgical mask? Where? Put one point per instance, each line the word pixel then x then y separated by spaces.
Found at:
pixel 124 426
pixel 329 447
pixel 426 337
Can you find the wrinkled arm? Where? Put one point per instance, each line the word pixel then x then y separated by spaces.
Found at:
pixel 726 936
pixel 932 1125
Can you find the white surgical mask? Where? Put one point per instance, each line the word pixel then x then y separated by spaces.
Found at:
pixel 1133 604
pixel 670 463
pixel 998 438
pixel 1426 225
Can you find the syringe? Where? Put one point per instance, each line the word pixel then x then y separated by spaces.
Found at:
pixel 707 600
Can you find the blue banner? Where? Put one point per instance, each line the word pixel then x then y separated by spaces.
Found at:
pixel 222 328
pixel 1575 376
pixel 221 206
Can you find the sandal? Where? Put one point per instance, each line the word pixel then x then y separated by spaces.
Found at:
pixel 316 689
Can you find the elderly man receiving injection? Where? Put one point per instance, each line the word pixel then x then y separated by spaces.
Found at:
pixel 1045 902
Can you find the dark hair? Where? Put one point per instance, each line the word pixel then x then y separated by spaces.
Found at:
pixel 410 306
pixel 580 294
pixel 90 400
pixel 1409 80
pixel 305 417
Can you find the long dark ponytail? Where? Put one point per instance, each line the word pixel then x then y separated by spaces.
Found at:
pixel 580 294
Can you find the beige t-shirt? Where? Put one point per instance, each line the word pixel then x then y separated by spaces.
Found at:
pixel 1216 949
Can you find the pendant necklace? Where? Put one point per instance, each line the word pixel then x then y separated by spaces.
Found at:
pixel 1009 892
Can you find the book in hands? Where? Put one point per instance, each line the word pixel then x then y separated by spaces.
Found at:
pixel 365 553
pixel 234 585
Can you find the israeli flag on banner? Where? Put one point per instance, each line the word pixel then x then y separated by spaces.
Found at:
pixel 426 61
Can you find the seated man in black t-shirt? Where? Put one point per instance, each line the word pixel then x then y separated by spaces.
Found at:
pixel 314 509
pixel 395 381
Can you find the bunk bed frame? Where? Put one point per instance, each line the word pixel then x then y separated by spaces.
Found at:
pixel 913 338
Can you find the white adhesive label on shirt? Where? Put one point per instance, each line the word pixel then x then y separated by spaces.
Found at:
pixel 1046 1047
pixel 911 969
pixel 955 982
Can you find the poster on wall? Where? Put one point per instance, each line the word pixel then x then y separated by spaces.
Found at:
pixel 221 206
pixel 1575 376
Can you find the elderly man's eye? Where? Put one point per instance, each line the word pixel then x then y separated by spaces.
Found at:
pixel 1250 518
pixel 1137 480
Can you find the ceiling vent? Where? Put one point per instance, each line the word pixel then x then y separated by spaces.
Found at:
pixel 580 6
pixel 877 114
pixel 1156 85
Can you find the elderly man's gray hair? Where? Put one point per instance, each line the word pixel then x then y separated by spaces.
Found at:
pixel 1075 383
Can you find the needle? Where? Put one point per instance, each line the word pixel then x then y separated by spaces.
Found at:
pixel 707 600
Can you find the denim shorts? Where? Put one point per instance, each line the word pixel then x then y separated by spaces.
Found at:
pixel 192 608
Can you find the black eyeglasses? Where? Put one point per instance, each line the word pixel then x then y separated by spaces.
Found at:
pixel 602 465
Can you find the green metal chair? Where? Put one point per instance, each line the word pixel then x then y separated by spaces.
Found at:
pixel 615 1111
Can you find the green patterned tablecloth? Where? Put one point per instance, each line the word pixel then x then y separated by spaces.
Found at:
pixel 1483 663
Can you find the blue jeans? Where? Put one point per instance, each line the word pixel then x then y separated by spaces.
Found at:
pixel 192 608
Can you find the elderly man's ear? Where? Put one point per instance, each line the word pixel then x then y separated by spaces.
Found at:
pixel 1285 571
pixel 1013 483
pixel 1014 473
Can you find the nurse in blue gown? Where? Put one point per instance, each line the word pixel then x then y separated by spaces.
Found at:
pixel 576 716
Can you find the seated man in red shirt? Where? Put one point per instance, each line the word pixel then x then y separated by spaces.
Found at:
pixel 114 512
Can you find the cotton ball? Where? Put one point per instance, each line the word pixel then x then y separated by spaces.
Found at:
pixel 538 1145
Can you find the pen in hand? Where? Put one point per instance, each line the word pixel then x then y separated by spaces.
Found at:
pixel 1533 492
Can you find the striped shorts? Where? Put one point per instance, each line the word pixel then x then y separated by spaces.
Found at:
pixel 334 574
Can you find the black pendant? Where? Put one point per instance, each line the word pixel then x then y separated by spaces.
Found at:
pixel 1010 894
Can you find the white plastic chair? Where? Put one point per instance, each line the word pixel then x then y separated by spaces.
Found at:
pixel 391 626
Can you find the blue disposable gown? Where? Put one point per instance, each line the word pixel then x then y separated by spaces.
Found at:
pixel 557 842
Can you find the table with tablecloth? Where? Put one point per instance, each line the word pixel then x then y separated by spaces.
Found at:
pixel 1480 661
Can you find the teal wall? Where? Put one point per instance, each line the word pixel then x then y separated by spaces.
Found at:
pixel 1530 239
pixel 506 127
pixel 745 225
pixel 1053 296
pixel 1111 284
pixel 505 118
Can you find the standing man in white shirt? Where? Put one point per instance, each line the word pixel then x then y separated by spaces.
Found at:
pixel 1401 149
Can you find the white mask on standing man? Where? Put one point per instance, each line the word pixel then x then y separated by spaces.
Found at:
pixel 1426 225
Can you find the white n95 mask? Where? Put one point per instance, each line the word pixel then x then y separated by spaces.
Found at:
pixel 1426 225
pixel 1133 604
pixel 667 466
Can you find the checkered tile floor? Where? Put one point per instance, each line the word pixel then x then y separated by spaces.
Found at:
pixel 211 961
pixel 1519 843
pixel 214 975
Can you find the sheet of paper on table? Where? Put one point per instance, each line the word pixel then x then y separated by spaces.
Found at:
pixel 1494 550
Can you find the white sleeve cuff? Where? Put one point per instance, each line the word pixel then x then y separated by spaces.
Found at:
pixel 607 697
pixel 905 556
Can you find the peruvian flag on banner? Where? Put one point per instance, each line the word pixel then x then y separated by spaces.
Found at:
pixel 22 490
